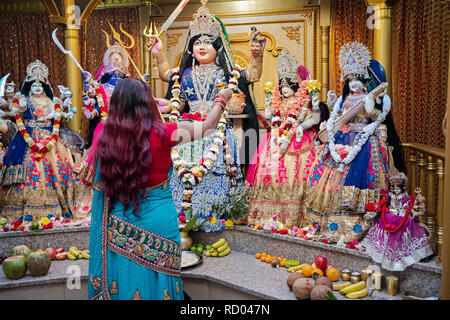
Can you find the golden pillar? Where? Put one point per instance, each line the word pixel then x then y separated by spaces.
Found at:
pixel 445 283
pixel 325 60
pixel 72 18
pixel 382 36
pixel 73 74
pixel 325 22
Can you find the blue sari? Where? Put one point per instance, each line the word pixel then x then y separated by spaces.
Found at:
pixel 135 257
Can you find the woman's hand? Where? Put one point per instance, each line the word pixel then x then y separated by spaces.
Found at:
pixel 163 105
pixel 154 44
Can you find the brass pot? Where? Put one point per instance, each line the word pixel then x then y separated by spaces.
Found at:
pixel 355 277
pixel 345 275
pixel 186 241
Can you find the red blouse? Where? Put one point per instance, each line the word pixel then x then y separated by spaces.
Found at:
pixel 160 150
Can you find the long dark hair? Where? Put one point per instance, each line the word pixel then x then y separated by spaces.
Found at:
pixel 124 147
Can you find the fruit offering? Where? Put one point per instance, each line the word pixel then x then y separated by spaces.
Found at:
pixel 219 249
pixel 75 253
pixel 15 267
pixel 199 248
pixel 273 260
pixel 355 291
pixel 39 263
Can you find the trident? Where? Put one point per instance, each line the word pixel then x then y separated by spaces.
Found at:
pixel 116 36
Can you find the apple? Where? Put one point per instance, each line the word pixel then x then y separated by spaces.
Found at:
pixel 61 256
pixel 321 263
pixel 51 252
pixel 59 250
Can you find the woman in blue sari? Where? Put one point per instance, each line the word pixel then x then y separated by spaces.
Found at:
pixel 135 248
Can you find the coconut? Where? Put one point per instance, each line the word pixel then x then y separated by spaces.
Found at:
pixel 324 281
pixel 15 267
pixel 292 277
pixel 39 263
pixel 21 250
pixel 320 292
pixel 302 288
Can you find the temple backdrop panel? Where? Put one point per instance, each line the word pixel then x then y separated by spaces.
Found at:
pixel 296 30
pixel 420 40
pixel 348 23
pixel 26 37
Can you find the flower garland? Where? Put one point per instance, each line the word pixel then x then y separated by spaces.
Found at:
pixel 101 104
pixel 361 138
pixel 282 135
pixel 192 174
pixel 390 227
pixel 38 147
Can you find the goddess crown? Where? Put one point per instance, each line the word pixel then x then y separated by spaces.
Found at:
pixel 396 177
pixel 203 22
pixel 354 58
pixel 37 71
pixel 287 66
pixel 115 58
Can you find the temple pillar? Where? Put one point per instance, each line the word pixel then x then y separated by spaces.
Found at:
pixel 382 36
pixel 325 22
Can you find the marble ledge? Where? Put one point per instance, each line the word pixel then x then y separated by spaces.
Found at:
pixel 52 231
pixel 429 266
pixel 58 273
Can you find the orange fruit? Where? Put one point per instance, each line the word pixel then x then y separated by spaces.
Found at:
pixel 263 259
pixel 285 259
pixel 264 254
pixel 282 263
pixel 268 259
pixel 307 270
pixel 258 255
pixel 320 272
pixel 333 274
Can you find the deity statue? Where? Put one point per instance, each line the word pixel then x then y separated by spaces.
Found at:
pixel 206 66
pixel 396 238
pixel 36 179
pixel 96 97
pixel 280 166
pixel 359 139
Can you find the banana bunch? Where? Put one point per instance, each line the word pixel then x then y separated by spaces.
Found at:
pixel 219 249
pixel 296 268
pixel 354 291
pixel 75 253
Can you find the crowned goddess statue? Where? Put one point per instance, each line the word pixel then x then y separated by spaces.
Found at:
pixel 37 179
pixel 396 238
pixel 360 140
pixel 96 97
pixel 206 66
pixel 279 168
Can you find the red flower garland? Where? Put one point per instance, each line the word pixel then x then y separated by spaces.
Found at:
pixel 391 228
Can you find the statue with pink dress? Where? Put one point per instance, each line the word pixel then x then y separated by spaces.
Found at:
pixel 396 238
pixel 96 101
pixel 279 168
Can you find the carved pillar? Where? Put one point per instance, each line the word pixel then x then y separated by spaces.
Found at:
pixel 431 204
pixel 412 171
pixel 325 61
pixel 440 206
pixel 325 22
